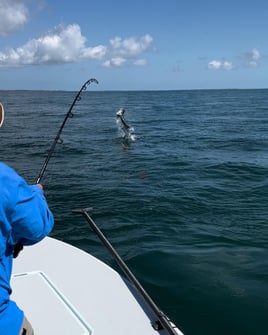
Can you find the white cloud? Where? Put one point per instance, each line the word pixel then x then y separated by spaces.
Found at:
pixel 217 65
pixel 255 54
pixel 253 57
pixel 63 44
pixel 132 46
pixel 13 16
pixel 126 51
pixel 227 65
pixel 247 59
pixel 114 62
pixel 140 62
pixel 66 44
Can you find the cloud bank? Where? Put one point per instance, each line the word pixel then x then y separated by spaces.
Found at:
pixel 66 44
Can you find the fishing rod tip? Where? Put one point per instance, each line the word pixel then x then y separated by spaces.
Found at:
pixel 95 80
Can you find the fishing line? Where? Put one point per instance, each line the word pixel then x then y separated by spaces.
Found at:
pixel 57 138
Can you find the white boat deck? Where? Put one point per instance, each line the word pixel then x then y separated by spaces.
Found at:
pixel 64 290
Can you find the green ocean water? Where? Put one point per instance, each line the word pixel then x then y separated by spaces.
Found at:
pixel 184 202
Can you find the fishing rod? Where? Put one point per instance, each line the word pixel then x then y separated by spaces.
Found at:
pixel 19 246
pixel 2 114
pixel 162 321
pixel 57 138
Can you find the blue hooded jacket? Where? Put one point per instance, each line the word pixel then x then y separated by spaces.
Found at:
pixel 24 218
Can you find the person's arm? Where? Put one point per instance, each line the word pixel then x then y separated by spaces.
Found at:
pixel 31 219
pixel 25 216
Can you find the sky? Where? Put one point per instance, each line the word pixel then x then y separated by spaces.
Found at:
pixel 133 44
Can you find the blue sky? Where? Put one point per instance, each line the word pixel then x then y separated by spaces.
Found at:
pixel 133 45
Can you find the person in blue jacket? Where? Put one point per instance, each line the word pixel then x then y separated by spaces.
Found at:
pixel 25 219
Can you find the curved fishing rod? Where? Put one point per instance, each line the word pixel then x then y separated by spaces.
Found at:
pixel 57 138
pixel 18 247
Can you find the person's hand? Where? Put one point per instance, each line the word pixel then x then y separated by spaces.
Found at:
pixel 40 185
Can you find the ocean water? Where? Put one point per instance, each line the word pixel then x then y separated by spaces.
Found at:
pixel 184 202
